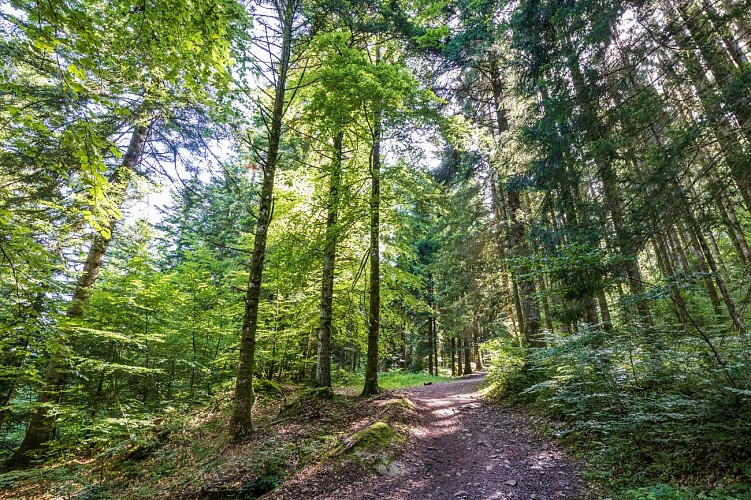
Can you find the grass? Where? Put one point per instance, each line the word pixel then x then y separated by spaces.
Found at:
pixel 393 380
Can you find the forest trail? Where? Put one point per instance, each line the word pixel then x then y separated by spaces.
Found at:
pixel 463 448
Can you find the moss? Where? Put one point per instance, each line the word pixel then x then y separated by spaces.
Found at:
pixel 375 447
pixel 403 403
pixel 267 387
pixel 375 437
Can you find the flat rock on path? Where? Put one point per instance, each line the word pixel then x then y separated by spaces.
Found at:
pixel 462 448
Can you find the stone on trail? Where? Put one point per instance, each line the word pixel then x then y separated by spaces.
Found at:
pixel 461 493
pixel 511 482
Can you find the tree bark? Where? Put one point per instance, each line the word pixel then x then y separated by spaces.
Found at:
pixel 430 345
pixel 467 350
pixel 241 425
pixel 435 343
pixel 374 314
pixel 41 425
pixel 478 352
pixel 459 358
pixel 323 370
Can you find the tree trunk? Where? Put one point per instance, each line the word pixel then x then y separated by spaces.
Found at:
pixel 666 267
pixel 607 323
pixel 323 370
pixel 374 314
pixel 459 357
pixel 41 425
pixel 430 346
pixel 467 350
pixel 241 425
pixel 453 357
pixel 478 352
pixel 530 312
pixel 435 343
pixel 735 231
pixel 701 266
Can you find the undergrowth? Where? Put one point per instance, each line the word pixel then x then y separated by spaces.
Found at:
pixel 189 455
pixel 653 419
pixel 389 380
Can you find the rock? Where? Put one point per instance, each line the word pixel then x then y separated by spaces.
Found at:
pixel 476 485
pixel 511 482
pixel 394 469
pixel 461 493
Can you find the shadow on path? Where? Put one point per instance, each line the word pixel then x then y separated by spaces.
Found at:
pixel 463 448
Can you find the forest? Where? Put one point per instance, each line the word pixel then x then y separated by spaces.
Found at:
pixel 232 231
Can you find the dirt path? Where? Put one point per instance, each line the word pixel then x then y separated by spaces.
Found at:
pixel 462 448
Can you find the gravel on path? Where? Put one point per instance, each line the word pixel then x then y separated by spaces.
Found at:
pixel 462 448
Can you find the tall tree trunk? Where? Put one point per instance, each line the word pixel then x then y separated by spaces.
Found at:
pixel 374 313
pixel 453 357
pixel 41 425
pixel 530 312
pixel 323 370
pixel 513 307
pixel 666 267
pixel 710 261
pixel 545 303
pixel 607 322
pixel 459 356
pixel 435 342
pixel 735 231
pixel 690 241
pixel 612 194
pixel 478 352
pixel 241 425
pixel 729 141
pixel 430 346
pixel 467 350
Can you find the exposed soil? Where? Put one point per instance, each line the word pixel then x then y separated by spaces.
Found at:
pixel 459 448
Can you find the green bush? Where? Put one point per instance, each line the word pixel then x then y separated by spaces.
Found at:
pixel 267 387
pixel 651 412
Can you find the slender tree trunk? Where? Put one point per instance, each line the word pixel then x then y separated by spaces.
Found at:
pixel 435 342
pixel 729 303
pixel 323 370
pixel 710 261
pixel 730 145
pixel 478 352
pixel 735 231
pixel 241 425
pixel 430 346
pixel 467 350
pixel 374 315
pixel 691 241
pixel 459 358
pixel 545 304
pixel 607 323
pixel 530 312
pixel 453 357
pixel 41 425
pixel 666 267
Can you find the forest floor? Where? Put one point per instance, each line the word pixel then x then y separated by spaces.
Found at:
pixel 458 448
